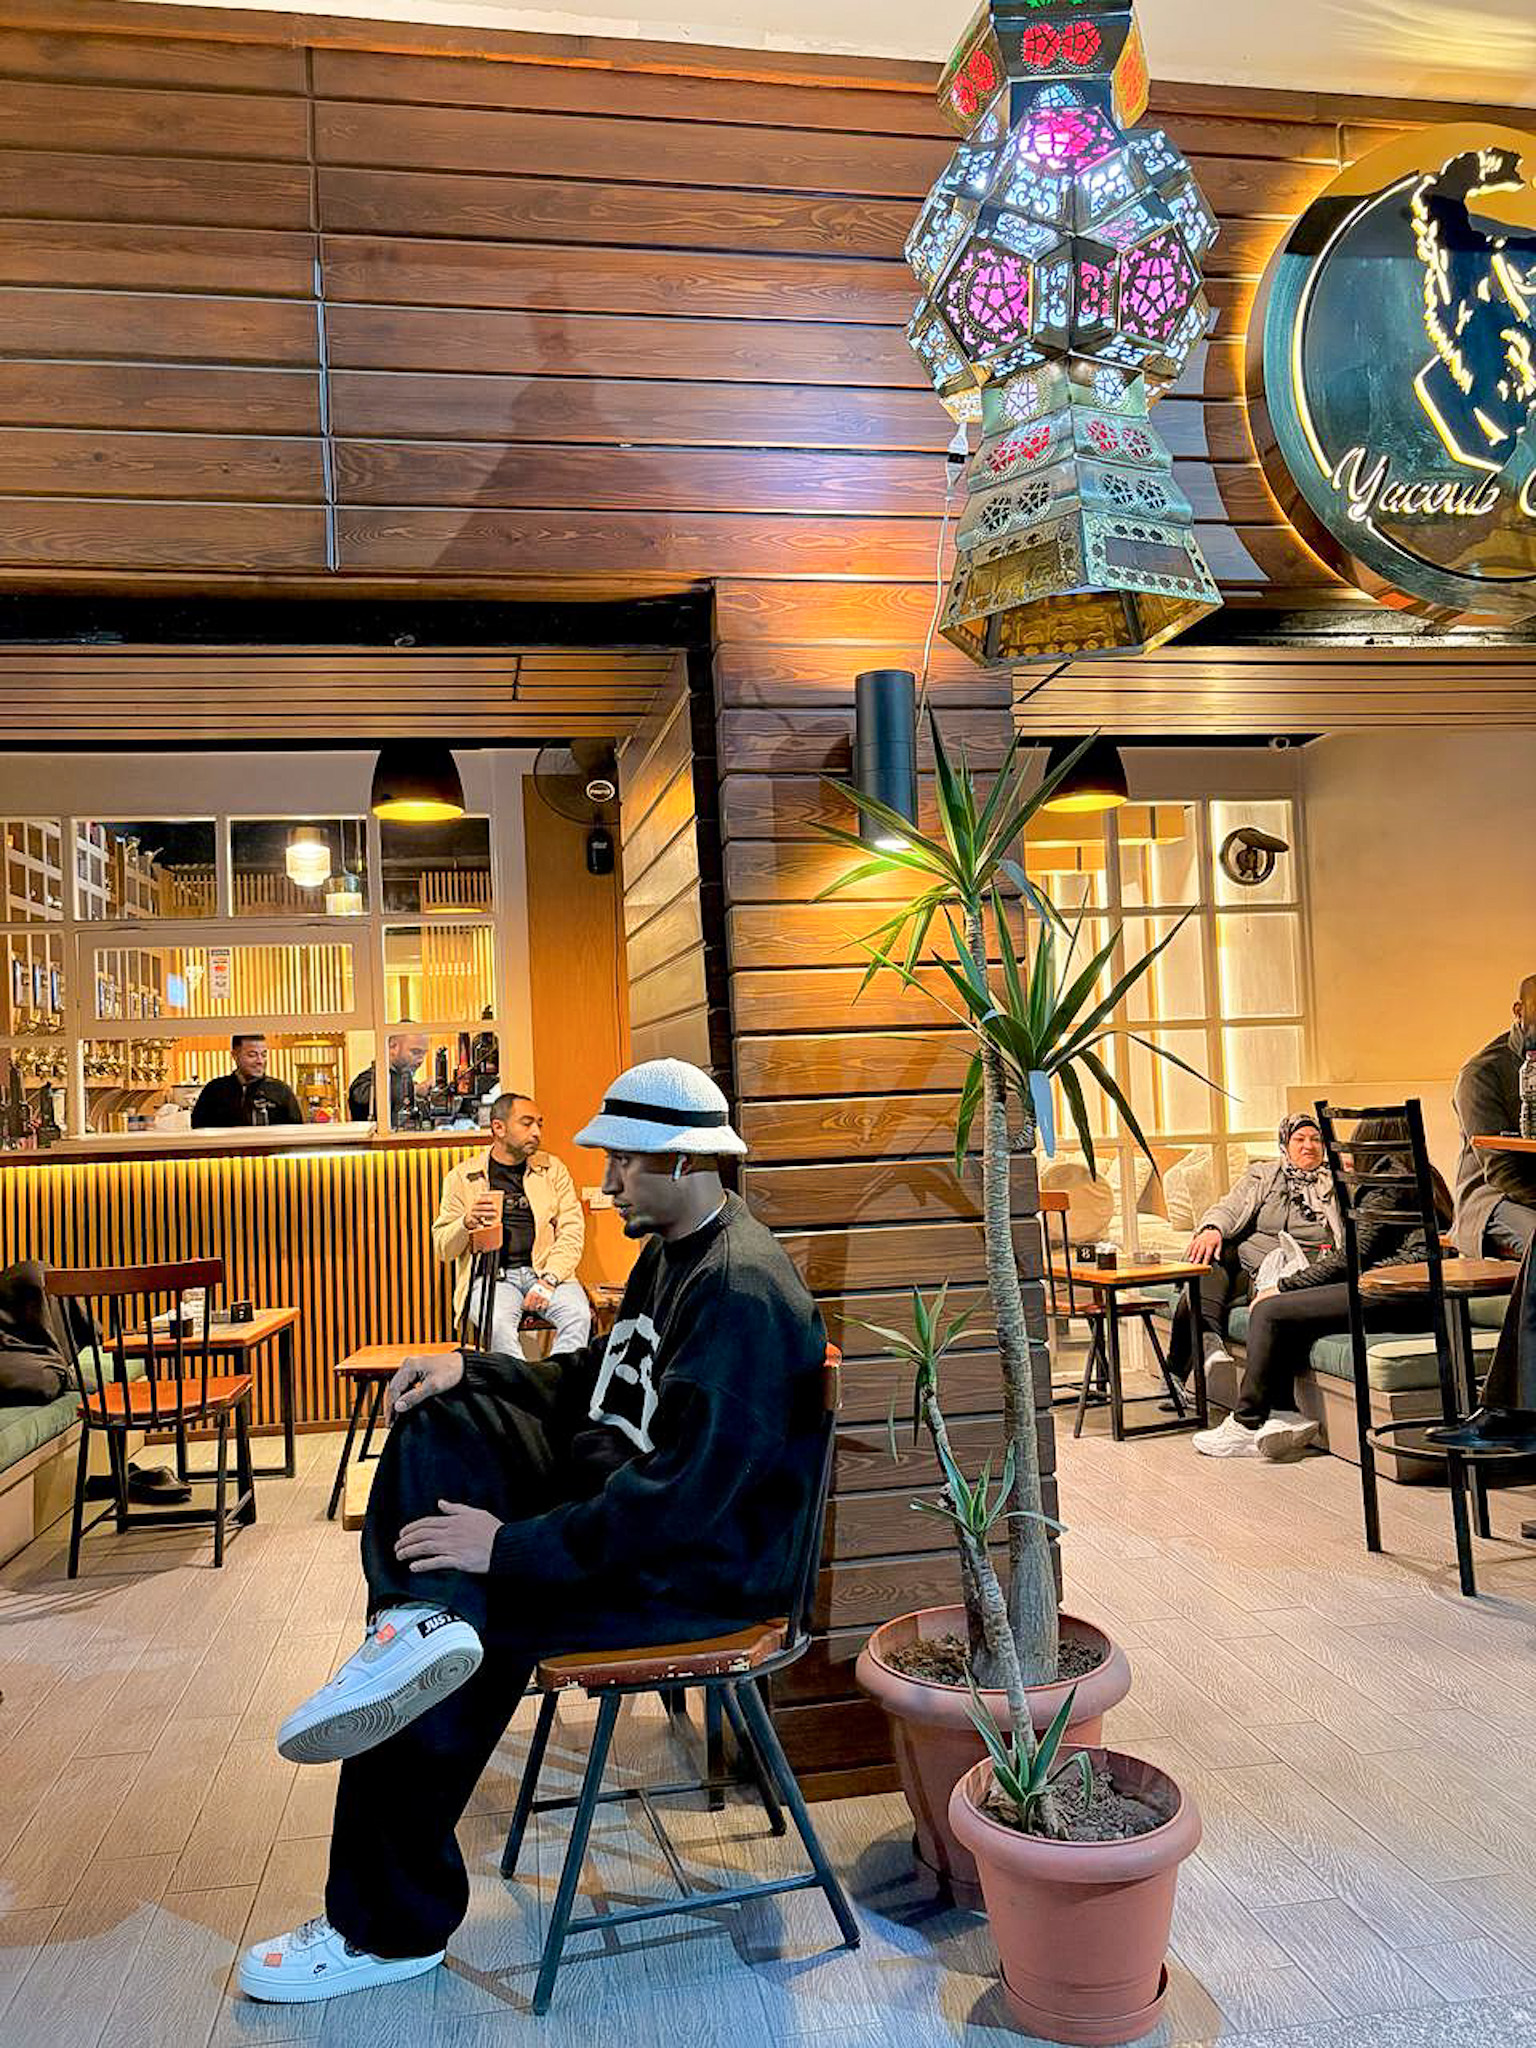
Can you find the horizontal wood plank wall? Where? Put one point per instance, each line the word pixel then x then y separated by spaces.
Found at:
pixel 348 312
pixel 345 1237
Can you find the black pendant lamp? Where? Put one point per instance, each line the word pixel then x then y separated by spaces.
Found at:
pixel 885 750
pixel 1096 783
pixel 416 782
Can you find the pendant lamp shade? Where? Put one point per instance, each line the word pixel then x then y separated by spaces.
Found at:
pixel 885 750
pixel 307 857
pixel 343 895
pixel 1097 783
pixel 416 782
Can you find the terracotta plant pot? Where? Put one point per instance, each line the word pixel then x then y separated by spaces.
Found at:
pixel 1081 1927
pixel 486 1240
pixel 933 1738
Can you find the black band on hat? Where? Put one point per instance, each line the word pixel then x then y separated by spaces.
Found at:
pixel 651 1113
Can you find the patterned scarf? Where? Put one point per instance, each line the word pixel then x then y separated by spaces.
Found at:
pixel 1310 1194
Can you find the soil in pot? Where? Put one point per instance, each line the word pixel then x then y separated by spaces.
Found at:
pixel 1109 1814
pixel 946 1660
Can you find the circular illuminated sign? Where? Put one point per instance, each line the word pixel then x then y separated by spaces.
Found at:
pixel 1392 372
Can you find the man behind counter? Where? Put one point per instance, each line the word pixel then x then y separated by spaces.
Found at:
pixel 407 1050
pixel 250 1095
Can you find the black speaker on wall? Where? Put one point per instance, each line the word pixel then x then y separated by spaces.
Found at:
pixel 599 851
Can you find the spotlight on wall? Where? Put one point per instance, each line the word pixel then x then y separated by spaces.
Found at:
pixel 1096 783
pixel 885 750
pixel 416 782
pixel 1250 855
pixel 307 857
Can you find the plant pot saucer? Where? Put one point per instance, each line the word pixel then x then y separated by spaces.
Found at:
pixel 1108 2032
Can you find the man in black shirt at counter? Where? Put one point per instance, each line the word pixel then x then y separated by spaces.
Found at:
pixel 250 1095
pixel 407 1050
pixel 651 1488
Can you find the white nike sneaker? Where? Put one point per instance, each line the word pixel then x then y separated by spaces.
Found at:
pixel 316 1962
pixel 413 1657
pixel 1228 1440
pixel 1285 1436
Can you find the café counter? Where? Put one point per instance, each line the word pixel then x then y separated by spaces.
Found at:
pixel 333 1220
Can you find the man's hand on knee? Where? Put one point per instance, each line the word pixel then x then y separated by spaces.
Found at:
pixel 459 1539
pixel 420 1378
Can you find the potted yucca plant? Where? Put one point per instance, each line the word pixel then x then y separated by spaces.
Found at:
pixel 1037 1015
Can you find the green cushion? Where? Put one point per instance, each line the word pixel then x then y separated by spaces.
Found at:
pixel 1394 1365
pixel 23 1429
pixel 1488 1313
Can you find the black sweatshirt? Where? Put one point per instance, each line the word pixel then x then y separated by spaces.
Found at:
pixel 700 1417
pixel 1381 1242
pixel 228 1103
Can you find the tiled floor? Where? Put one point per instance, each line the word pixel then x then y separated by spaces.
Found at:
pixel 1360 1741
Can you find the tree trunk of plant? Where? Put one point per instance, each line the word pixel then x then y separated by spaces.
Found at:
pixel 1031 1605
pixel 1000 1641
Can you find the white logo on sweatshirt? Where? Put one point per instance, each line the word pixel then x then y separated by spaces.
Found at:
pixel 630 1358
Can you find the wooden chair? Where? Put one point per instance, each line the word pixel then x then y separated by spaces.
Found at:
pixel 1361 1168
pixel 176 1391
pixel 729 1668
pixel 1067 1303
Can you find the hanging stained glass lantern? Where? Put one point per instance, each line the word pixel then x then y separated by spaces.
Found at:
pixel 1059 255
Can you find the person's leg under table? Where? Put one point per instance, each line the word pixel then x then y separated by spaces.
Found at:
pixel 1222 1286
pixel 1283 1329
pixel 1511 1231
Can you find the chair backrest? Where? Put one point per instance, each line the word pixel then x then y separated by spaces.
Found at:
pixel 124 1301
pixel 808 1555
pixel 1370 1189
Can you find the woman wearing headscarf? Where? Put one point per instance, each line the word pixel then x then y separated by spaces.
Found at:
pixel 1287 1319
pixel 1293 1193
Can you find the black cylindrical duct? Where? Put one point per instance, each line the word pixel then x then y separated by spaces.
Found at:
pixel 885 748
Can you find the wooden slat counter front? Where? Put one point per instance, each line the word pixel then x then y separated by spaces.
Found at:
pixel 333 1220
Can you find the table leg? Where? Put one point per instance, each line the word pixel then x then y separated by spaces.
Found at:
pixel 375 1409
pixel 1116 1393
pixel 285 1395
pixel 1466 1400
pixel 359 1395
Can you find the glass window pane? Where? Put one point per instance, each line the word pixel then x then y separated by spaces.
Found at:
pixel 1065 857
pixel 437 1079
pixel 304 867
pixel 1263 1061
pixel 434 870
pixel 1277 818
pixel 148 869
pixel 1159 855
pixel 1164 1097
pixel 1259 958
pixel 223 981
pixel 1174 985
pixel 33 878
pixel 32 983
pixel 433 972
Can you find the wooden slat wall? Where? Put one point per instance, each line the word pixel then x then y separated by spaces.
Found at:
pixel 345 1237
pixel 499 272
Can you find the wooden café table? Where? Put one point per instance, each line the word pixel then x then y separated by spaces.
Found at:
pixel 1110 1287
pixel 240 1343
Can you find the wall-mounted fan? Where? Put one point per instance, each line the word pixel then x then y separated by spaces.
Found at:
pixel 581 782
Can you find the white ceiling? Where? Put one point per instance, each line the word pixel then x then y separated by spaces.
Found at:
pixel 1440 49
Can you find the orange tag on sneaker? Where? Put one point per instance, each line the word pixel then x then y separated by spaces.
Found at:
pixel 273 1959
pixel 387 1633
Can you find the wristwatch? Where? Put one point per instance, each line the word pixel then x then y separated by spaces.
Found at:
pixel 548 1280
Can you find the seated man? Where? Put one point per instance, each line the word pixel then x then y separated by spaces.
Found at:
pixel 249 1095
pixel 1496 1191
pixel 653 1490
pixel 543 1232
pixel 1507 1418
pixel 1293 1193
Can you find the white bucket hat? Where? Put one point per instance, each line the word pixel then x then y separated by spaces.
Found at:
pixel 664 1106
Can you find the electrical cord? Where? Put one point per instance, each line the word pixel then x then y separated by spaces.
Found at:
pixel 954 470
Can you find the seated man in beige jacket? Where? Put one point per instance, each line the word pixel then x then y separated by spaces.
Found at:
pixel 534 1199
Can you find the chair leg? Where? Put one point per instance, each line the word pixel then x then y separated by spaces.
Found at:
pixel 360 1395
pixel 221 1490
pixel 714 1747
pixel 757 1718
pixel 1085 1392
pixel 746 1742
pixel 375 1409
pixel 117 1458
pixel 77 1514
pixel 528 1789
pixel 581 1828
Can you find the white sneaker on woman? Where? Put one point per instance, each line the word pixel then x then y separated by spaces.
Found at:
pixel 314 1962
pixel 1285 1436
pixel 1228 1440
pixel 413 1657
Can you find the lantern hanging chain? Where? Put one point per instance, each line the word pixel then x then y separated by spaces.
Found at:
pixel 954 470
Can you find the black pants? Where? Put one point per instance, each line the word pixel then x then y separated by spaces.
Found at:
pixel 1223 1286
pixel 397 1884
pixel 1512 1376
pixel 1283 1329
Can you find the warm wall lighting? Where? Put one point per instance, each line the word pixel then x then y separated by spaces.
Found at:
pixel 416 782
pixel 885 750
pixel 307 857
pixel 1097 783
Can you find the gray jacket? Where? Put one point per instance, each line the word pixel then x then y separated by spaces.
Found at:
pixel 1487 1100
pixel 1253 1214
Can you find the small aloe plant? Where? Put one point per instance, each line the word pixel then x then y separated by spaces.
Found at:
pixel 1025 1773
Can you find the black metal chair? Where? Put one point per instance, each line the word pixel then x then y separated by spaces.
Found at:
pixel 731 1668
pixel 1363 1170
pixel 174 1392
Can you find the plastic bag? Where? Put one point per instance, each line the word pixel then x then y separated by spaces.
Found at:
pixel 1287 1258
